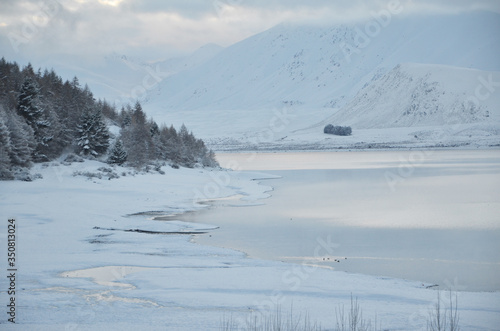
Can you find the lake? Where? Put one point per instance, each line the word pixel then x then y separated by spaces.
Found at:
pixel 431 216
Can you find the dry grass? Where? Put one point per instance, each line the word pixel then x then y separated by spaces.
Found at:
pixel 440 319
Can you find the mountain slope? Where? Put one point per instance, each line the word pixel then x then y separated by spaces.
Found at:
pixel 413 95
pixel 121 79
pixel 303 65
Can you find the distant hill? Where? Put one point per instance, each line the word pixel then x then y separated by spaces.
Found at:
pixel 120 78
pixel 417 71
pixel 413 95
pixel 304 65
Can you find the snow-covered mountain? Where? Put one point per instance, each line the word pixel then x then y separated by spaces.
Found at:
pixel 408 71
pixel 124 79
pixel 423 95
pixel 414 71
pixel 324 66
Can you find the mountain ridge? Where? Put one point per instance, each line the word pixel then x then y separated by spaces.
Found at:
pixel 306 65
pixel 425 95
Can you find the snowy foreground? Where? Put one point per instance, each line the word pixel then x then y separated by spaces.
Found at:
pixel 90 256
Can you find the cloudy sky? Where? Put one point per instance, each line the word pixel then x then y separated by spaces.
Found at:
pixel 41 30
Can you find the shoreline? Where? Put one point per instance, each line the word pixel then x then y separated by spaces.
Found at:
pixel 351 149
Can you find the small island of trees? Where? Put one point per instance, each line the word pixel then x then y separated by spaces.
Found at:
pixel 338 130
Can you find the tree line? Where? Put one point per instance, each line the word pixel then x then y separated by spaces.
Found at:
pixel 42 117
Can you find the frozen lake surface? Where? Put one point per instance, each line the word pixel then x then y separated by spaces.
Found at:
pixel 431 216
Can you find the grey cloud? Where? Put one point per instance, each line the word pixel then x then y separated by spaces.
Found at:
pixel 91 29
pixel 191 9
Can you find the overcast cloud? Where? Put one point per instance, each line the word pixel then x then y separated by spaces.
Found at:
pixel 34 30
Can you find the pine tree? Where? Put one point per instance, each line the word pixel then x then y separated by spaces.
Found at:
pixel 28 71
pixel 138 144
pixel 29 107
pixel 22 141
pixel 102 133
pixel 209 160
pixel 57 133
pixel 157 151
pixel 154 129
pixel 5 148
pixel 188 158
pixel 118 154
pixel 125 117
pixel 138 115
pixel 137 138
pixel 170 144
pixel 48 115
pixel 85 132
pixel 29 104
pixel 92 134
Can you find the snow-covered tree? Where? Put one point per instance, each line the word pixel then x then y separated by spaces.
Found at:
pixel 118 154
pixel 170 144
pixel 188 155
pixel 5 149
pixel 154 130
pixel 338 130
pixel 22 140
pixel 138 115
pixel 30 107
pixel 209 160
pixel 92 134
pixel 47 115
pixel 137 138
pixel 125 118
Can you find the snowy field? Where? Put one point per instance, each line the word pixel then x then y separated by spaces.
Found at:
pixel 91 257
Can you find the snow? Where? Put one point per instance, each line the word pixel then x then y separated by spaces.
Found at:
pixel 120 78
pixel 306 64
pixel 278 89
pixel 83 266
pixel 93 253
pixel 424 95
